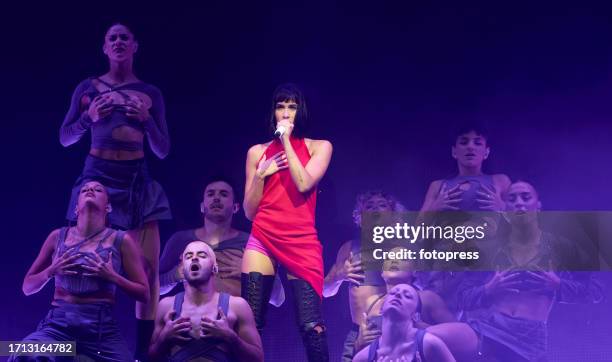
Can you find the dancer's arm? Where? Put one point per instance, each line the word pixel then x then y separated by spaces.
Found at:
pixel 306 178
pixel 77 121
pixel 167 330
pixel 344 269
pixel 168 264
pixel 44 267
pixel 435 310
pixel 258 167
pixel 135 283
pixel 247 344
pixel 155 126
pixel 437 198
pixel 253 188
pixel 435 349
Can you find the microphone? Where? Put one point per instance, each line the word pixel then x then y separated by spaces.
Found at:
pixel 280 131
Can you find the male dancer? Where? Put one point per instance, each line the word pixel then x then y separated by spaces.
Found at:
pixel 218 207
pixel 201 323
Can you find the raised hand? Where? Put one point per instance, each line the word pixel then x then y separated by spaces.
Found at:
pixel 503 282
pixel 99 268
pixel 267 167
pixel 489 199
pixel 63 265
pixel 100 107
pixel 217 328
pixel 136 108
pixel 175 329
pixel 447 199
pixel 352 271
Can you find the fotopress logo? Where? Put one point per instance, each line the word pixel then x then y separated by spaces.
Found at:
pixel 412 233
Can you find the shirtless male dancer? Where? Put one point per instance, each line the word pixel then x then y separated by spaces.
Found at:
pixel 200 323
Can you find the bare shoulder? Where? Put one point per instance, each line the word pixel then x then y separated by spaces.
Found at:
pixel 52 238
pixel 238 304
pixel 54 234
pixel 128 243
pixel 362 356
pixel 318 145
pixel 165 304
pixel 433 346
pixel 432 341
pixel 258 149
pixel 501 180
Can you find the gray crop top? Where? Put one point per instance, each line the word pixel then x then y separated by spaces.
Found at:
pixel 77 121
pixel 79 284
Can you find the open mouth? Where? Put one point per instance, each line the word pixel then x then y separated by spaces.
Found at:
pixel 194 267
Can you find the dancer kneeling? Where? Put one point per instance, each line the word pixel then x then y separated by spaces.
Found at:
pixel 400 339
pixel 201 323
pixel 87 261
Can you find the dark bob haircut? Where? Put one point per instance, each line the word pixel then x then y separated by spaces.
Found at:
pixel 285 93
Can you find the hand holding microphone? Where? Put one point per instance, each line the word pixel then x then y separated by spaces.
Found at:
pixel 283 127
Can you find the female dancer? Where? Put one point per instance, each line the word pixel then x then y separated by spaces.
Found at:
pixel 508 309
pixel 280 198
pixel 88 262
pixel 400 340
pixel 469 198
pixel 121 111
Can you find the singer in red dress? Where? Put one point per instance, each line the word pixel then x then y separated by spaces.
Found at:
pixel 280 198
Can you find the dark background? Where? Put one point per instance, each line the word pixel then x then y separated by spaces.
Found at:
pixel 385 84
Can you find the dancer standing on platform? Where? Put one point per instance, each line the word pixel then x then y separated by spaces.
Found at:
pixel 87 261
pixel 121 111
pixel 470 198
pixel 280 197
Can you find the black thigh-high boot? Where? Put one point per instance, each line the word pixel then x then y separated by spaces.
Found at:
pixel 310 321
pixel 256 289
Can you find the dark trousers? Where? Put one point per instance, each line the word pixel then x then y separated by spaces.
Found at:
pixel 93 328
